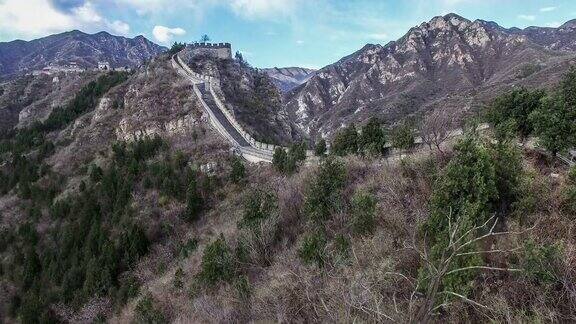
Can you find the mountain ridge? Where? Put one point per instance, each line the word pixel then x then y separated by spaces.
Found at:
pixel 449 57
pixel 20 56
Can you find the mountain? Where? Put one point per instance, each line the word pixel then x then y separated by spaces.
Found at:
pixel 86 50
pixel 289 77
pixel 449 60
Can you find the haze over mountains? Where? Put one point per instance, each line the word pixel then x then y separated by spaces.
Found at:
pixel 86 50
pixel 288 78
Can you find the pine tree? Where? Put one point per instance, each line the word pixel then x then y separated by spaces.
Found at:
pixel 194 202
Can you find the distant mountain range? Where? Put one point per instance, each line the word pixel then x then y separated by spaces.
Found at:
pixel 448 61
pixel 289 77
pixel 86 50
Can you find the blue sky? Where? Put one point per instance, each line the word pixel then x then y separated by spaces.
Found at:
pixel 308 33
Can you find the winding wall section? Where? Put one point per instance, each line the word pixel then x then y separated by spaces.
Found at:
pixel 221 118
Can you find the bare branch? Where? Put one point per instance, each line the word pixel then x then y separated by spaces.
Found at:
pixel 482 268
pixel 489 251
pixel 468 300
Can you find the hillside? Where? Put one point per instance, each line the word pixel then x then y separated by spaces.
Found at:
pixel 448 61
pixel 252 96
pixel 86 50
pixel 120 203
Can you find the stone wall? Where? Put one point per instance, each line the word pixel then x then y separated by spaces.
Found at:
pixel 219 50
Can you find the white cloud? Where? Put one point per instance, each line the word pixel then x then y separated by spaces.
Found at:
pixel 120 27
pixel 548 9
pixel 35 18
pixel 299 42
pixel 165 34
pixel 17 18
pixel 527 17
pixel 262 8
pixel 87 13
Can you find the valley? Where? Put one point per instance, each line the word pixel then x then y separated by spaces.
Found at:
pixel 427 180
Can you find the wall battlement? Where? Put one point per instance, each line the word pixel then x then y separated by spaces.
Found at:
pixel 210 45
pixel 219 50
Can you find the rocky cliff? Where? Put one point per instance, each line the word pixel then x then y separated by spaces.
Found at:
pixel 449 60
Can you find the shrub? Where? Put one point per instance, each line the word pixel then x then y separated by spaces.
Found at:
pixel 346 141
pixel 194 202
pixel 324 194
pixel 217 263
pixel 238 172
pixel 515 106
pixel 178 276
pixel 279 159
pixel 372 141
pixel 146 312
pixel 176 47
pixel 465 194
pixel 403 137
pixel 259 204
pixel 313 248
pixel 320 148
pixel 540 262
pixel 363 213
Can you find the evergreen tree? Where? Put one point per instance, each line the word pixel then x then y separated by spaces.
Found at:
pixel 194 202
pixel 238 172
pixel 514 108
pixel 324 196
pixel 555 121
pixel 465 193
pixel 346 141
pixel 320 148
pixel 373 138
pixel 403 137
pixel 279 159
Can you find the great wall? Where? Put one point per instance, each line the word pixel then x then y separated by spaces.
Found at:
pixel 221 118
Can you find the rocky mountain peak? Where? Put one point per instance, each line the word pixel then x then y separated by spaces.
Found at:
pixel 86 50
pixel 446 57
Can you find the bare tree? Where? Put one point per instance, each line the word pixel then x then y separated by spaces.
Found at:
pixel 437 126
pixel 422 307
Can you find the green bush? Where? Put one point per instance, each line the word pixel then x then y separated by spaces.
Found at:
pixel 320 148
pixel 217 263
pixel 465 193
pixel 540 262
pixel 403 137
pixel 324 195
pixel 194 202
pixel 176 47
pixel 312 250
pixel 372 141
pixel 146 312
pixel 279 159
pixel 178 276
pixel 238 173
pixel 346 141
pixel 514 109
pixel 258 205
pixel 363 213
